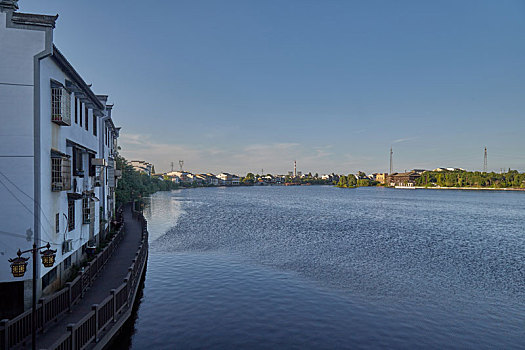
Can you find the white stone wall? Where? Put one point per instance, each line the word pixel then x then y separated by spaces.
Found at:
pixel 18 49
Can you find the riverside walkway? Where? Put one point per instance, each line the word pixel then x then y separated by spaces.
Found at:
pixel 109 278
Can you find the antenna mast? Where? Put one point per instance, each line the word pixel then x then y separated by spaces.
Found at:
pixel 485 161
pixel 391 161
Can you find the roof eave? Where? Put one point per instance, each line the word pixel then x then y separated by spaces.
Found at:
pixel 63 62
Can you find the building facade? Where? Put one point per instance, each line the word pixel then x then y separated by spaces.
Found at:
pixel 142 167
pixel 227 179
pixel 381 177
pixel 57 152
pixel 407 179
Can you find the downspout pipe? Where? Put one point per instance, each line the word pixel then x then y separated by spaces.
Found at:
pixel 103 153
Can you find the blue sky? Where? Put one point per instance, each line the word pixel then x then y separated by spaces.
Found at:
pixel 248 85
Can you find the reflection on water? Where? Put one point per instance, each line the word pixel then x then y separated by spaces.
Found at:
pixel 322 267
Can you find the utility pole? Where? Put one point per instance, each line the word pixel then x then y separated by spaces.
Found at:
pixel 391 161
pixel 485 161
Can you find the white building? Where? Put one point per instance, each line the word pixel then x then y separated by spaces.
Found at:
pixel 57 150
pixel 142 166
pixel 227 179
pixel 212 179
pixel 183 176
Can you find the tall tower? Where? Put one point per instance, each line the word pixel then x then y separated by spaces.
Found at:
pixel 485 161
pixel 294 168
pixel 181 163
pixel 391 161
pixel 171 166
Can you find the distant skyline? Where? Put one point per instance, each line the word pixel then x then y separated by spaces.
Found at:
pixel 241 86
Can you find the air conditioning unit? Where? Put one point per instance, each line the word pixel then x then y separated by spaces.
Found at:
pixel 98 162
pixel 67 246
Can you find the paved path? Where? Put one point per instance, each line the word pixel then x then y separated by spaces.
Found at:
pixel 111 276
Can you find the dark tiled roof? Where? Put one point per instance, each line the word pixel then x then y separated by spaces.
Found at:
pixel 63 62
pixel 34 19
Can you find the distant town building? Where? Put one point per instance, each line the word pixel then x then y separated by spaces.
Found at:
pixel 227 179
pixel 407 179
pixel 212 179
pixel 380 177
pixel 449 169
pixel 142 167
pixel 182 176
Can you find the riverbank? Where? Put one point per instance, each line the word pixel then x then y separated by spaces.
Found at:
pixel 468 188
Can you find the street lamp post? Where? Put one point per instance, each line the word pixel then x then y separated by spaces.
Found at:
pixel 18 269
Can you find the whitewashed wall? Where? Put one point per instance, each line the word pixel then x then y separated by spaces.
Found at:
pixel 18 48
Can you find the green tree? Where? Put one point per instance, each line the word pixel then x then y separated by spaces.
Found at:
pixel 352 181
pixel 342 182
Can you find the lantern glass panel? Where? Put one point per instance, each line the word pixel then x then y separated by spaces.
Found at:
pixel 18 268
pixel 48 257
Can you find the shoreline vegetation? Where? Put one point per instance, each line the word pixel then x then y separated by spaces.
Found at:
pixel 133 186
pixel 469 188
pixel 512 180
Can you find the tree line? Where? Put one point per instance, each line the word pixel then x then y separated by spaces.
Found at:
pixel 510 179
pixel 358 180
pixel 133 185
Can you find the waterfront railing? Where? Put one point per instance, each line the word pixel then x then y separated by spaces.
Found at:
pixel 103 316
pixel 17 331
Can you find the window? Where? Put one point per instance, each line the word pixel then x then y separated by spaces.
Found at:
pixel 60 173
pixel 57 223
pixel 76 110
pixel 86 213
pixel 87 117
pixel 60 105
pixel 80 111
pixel 92 168
pixel 49 278
pixel 70 215
pixel 78 166
pixel 94 125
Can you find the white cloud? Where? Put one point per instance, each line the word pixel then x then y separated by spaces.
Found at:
pixel 405 139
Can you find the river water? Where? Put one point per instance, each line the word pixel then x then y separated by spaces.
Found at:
pixel 326 268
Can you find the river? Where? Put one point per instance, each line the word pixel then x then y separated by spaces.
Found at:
pixel 324 268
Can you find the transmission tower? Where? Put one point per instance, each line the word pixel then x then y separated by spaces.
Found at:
pixel 181 163
pixel 294 168
pixel 171 166
pixel 485 161
pixel 391 161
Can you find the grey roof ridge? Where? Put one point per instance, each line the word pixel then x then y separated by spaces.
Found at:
pixel 34 19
